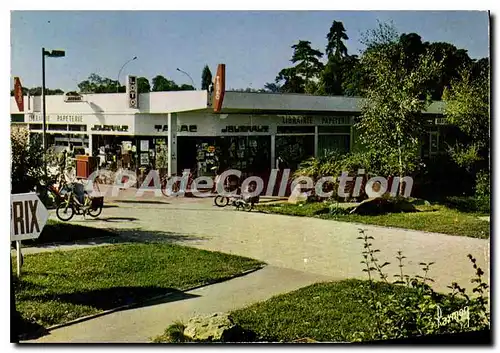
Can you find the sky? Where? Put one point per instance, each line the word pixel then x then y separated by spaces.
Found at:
pixel 255 46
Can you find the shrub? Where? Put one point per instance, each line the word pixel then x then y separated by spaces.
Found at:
pixel 469 203
pixel 483 184
pixel 415 314
pixel 26 159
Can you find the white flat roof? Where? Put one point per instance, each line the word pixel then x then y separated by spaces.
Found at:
pixel 183 101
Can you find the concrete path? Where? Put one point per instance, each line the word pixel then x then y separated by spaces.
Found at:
pixel 300 251
pixel 140 324
pixel 310 245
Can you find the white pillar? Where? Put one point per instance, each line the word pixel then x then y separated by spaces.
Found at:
pixel 273 151
pixel 90 144
pixel 172 144
pixel 316 141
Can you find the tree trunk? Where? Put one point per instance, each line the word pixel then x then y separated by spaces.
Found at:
pixel 400 168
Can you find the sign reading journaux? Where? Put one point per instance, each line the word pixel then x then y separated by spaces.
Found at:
pixel 132 94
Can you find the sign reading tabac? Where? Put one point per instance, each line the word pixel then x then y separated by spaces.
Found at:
pixel 219 87
pixel 18 94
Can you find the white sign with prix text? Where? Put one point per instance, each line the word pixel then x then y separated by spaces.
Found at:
pixel 28 216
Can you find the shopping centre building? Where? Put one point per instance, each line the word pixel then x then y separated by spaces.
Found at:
pixel 173 131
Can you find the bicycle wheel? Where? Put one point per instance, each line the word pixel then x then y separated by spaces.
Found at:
pixel 221 201
pixel 247 206
pixel 164 189
pixel 95 212
pixel 65 212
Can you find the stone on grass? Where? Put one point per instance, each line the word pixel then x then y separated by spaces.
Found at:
pixel 217 327
pixel 419 202
pixel 297 196
pixel 381 205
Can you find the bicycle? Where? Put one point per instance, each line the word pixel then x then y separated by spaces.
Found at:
pixel 72 205
pixel 174 187
pixel 245 203
pixel 48 191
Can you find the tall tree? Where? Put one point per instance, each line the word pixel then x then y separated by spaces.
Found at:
pixel 391 121
pixel 385 33
pixel 143 85
pixel 468 108
pixel 293 83
pixel 98 84
pixel 37 91
pixel 340 66
pixel 272 87
pixel 307 60
pixel 308 68
pixel 206 78
pixel 186 87
pixel 161 84
pixel 336 36
pixel 454 62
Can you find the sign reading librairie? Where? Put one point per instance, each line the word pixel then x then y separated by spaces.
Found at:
pixel 28 216
pixel 60 118
pixel 314 120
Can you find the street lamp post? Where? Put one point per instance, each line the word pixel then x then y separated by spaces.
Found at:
pixel 50 54
pixel 119 72
pixel 185 73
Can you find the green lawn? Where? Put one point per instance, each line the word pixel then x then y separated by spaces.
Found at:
pixel 62 232
pixel 60 286
pixel 325 312
pixel 435 218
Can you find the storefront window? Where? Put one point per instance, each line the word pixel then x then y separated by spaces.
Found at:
pixel 333 143
pixel 249 154
pixel 295 129
pixel 292 150
pixel 115 152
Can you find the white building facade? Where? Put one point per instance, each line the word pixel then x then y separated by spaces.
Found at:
pixel 172 131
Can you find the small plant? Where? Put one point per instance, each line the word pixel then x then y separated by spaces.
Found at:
pixel 173 334
pixel 335 209
pixel 425 311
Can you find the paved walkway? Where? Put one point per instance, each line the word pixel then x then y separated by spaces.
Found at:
pixel 139 325
pixel 311 245
pixel 300 251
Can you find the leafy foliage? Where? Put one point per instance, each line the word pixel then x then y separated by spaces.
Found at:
pixel 27 160
pixel 206 78
pixel 467 106
pixel 272 87
pixel 143 85
pixel 423 311
pixel 391 121
pixel 37 91
pixel 98 84
pixel 335 37
pixel 307 69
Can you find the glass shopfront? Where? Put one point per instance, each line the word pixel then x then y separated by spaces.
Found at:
pixel 294 144
pixel 249 154
pixel 131 152
pixel 333 139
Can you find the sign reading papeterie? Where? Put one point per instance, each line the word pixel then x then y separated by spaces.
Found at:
pixel 28 216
